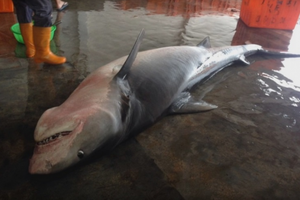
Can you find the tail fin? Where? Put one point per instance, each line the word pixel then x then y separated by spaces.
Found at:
pixel 281 54
pixel 274 52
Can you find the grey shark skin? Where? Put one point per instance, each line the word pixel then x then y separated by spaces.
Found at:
pixel 121 98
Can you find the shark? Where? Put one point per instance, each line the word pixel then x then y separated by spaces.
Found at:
pixel 123 97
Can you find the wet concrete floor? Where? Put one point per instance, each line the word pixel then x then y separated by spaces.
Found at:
pixel 248 148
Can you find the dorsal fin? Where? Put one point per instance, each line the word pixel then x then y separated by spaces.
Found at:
pixel 131 57
pixel 205 43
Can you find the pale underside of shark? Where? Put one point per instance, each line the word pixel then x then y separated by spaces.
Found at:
pixel 121 98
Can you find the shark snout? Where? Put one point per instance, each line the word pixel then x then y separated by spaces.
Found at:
pixel 38 166
pixel 52 154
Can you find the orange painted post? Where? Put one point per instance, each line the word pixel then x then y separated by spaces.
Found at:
pixel 275 14
pixel 6 6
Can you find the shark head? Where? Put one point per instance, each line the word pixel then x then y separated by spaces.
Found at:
pixel 88 120
pixel 63 140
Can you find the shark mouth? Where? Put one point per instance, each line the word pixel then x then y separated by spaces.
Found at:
pixel 53 138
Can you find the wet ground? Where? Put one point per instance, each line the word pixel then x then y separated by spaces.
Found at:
pixel 248 148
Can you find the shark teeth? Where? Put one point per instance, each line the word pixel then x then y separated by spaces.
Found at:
pixel 53 137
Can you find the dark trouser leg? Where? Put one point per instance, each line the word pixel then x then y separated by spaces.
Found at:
pixel 42 12
pixel 24 12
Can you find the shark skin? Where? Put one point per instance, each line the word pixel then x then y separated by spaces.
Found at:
pixel 120 99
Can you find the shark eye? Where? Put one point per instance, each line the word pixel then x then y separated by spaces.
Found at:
pixel 80 154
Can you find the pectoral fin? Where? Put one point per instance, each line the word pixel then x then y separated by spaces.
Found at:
pixel 186 104
pixel 244 60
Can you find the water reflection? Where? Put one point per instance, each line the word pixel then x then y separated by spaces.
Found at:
pixel 285 81
pixel 109 33
pixel 187 9
pixel 278 40
pixel 290 67
pixel 291 71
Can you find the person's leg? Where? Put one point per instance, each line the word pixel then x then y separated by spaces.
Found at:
pixel 24 16
pixel 42 31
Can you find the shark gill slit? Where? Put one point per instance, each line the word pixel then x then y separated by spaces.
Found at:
pixel 124 106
